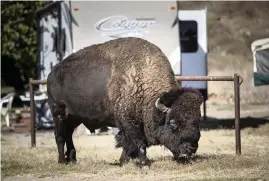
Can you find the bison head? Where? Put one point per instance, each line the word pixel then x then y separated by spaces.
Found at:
pixel 178 114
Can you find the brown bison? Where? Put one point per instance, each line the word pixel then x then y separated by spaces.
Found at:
pixel 126 83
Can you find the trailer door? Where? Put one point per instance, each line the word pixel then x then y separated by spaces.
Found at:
pixel 193 45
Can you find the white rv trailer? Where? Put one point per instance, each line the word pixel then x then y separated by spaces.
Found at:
pixel 100 21
pixel 54 36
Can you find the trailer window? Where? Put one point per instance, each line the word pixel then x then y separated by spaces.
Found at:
pixel 188 36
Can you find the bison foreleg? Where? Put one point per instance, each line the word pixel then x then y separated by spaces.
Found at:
pixel 124 158
pixel 133 142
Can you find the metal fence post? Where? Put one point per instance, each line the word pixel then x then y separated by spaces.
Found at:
pixel 32 110
pixel 237 114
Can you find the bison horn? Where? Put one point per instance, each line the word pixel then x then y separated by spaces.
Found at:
pixel 161 106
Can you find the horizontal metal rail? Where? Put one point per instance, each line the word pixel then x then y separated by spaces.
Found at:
pixel 204 78
pixel 37 82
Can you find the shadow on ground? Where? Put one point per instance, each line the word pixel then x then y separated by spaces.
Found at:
pixel 214 123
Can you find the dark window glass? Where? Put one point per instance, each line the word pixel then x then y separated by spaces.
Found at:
pixel 188 36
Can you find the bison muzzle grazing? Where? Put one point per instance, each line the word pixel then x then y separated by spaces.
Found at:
pixel 126 83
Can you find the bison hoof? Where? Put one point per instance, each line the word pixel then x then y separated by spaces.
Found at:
pixel 71 156
pixel 124 161
pixel 71 160
pixel 60 161
pixel 144 163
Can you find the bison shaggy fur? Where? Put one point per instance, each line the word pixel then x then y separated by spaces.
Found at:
pixel 126 83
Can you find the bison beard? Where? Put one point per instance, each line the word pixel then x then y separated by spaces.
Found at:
pixel 126 83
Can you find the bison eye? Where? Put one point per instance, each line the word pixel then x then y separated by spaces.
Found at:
pixel 173 124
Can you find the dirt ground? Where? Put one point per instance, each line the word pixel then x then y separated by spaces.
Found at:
pixel 95 153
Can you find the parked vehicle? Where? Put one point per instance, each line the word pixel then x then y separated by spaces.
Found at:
pixel 260 51
pixel 12 105
pixel 44 119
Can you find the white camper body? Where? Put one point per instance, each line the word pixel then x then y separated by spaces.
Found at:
pixel 101 21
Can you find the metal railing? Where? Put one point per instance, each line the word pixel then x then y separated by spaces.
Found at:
pixel 236 79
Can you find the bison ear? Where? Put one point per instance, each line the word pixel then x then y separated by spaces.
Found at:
pixel 198 95
pixel 167 98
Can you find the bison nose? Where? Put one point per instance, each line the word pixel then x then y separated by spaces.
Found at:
pixel 189 148
pixel 192 149
pixel 191 136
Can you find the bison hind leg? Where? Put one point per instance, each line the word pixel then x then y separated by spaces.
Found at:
pixel 64 128
pixel 59 132
pixel 71 124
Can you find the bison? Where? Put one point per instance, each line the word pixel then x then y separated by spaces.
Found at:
pixel 126 83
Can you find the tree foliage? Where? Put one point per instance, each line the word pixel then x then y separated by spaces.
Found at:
pixel 19 34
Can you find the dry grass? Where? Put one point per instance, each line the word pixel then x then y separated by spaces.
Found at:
pixel 215 160
pixel 262 131
pixel 40 162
